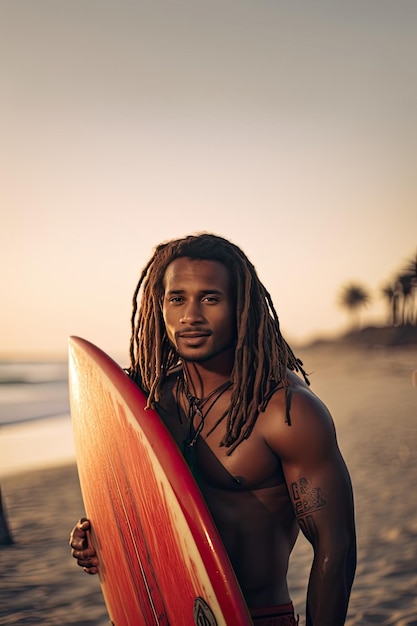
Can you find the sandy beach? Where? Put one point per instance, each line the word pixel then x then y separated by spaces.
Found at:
pixel 374 405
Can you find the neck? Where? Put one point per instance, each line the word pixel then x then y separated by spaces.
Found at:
pixel 204 377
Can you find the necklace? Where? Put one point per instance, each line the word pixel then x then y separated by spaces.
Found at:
pixel 200 407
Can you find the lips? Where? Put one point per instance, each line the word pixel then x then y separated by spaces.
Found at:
pixel 194 333
pixel 193 338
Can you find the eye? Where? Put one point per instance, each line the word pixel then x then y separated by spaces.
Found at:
pixel 211 299
pixel 176 299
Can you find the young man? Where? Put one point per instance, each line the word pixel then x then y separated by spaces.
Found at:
pixel 206 347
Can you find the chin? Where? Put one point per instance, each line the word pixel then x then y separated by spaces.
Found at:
pixel 195 358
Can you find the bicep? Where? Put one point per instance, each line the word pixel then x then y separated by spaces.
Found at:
pixel 321 496
pixel 317 478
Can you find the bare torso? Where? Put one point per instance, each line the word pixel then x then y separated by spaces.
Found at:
pixel 246 494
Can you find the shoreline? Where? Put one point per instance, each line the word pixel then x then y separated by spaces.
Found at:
pixel 35 445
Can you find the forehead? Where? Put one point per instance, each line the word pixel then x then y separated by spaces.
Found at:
pixel 201 273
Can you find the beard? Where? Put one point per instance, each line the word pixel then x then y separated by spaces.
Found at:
pixel 189 357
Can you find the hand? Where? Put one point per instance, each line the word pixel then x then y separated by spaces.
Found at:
pixel 81 548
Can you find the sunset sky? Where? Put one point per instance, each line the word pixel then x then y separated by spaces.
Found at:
pixel 287 127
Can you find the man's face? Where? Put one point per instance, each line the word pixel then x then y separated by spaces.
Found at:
pixel 198 308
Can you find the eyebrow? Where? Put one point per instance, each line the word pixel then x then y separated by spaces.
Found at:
pixel 203 292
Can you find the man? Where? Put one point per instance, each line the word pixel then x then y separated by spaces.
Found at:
pixel 207 349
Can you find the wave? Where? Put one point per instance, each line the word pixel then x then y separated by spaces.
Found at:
pixel 30 391
pixel 17 372
pixel 18 414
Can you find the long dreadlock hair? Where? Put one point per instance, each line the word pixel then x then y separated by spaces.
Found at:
pixel 262 356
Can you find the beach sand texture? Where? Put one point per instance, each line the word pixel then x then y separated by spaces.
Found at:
pixel 374 404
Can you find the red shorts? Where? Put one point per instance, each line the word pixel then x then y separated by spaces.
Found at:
pixel 282 615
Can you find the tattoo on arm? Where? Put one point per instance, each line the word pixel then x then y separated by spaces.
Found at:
pixel 306 499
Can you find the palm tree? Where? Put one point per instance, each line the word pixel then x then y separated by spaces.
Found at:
pixel 412 267
pixel 411 271
pixel 354 298
pixel 391 296
pixel 407 282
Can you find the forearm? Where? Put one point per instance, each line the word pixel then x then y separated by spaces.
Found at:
pixel 329 589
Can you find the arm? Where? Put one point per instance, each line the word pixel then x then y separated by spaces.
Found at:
pixel 82 550
pixel 320 489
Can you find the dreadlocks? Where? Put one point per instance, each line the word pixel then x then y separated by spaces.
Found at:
pixel 262 356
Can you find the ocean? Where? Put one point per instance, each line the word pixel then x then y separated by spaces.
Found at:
pixel 35 424
pixel 32 390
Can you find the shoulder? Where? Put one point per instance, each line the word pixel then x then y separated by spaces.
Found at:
pixel 297 422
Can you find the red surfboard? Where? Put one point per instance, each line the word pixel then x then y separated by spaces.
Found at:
pixel 161 558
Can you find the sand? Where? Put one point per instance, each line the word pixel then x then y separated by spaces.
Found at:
pixel 374 404
pixel 39 581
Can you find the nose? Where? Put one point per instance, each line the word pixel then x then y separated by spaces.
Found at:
pixel 191 313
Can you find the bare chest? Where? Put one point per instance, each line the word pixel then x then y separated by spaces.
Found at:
pixel 200 434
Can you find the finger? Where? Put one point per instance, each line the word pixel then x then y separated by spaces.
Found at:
pixel 84 555
pixel 83 523
pixel 79 543
pixel 87 563
pixel 78 538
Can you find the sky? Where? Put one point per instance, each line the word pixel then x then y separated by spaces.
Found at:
pixel 288 127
